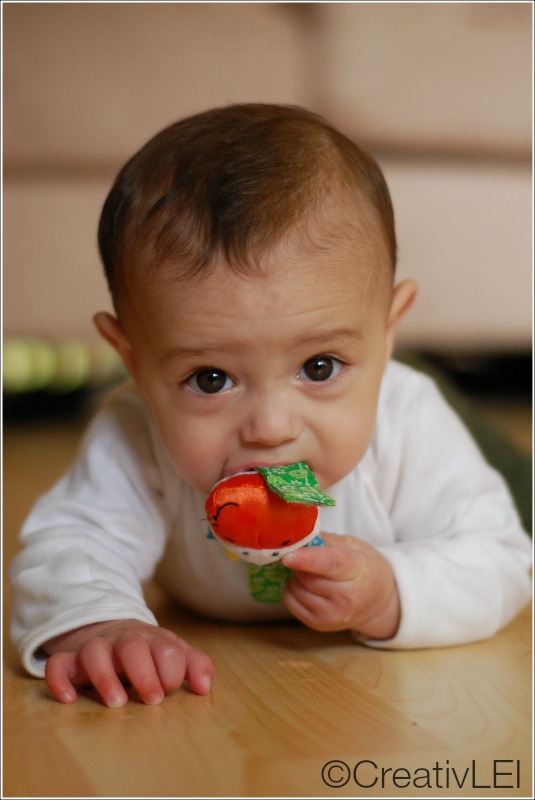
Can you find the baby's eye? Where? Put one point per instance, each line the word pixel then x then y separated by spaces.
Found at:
pixel 320 368
pixel 210 381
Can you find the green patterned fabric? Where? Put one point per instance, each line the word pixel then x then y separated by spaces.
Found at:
pixel 266 583
pixel 296 483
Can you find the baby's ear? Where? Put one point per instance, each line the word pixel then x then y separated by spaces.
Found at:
pixel 110 329
pixel 403 297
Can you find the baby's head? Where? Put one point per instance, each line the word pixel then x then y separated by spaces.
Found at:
pixel 250 253
pixel 228 184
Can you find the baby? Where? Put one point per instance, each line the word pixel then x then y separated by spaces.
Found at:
pixel 250 254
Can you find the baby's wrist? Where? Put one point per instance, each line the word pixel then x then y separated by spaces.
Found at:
pixel 383 624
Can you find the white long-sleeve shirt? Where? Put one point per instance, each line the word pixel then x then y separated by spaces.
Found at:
pixel 422 495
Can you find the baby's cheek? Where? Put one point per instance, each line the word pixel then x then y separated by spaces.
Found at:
pixel 344 449
pixel 197 466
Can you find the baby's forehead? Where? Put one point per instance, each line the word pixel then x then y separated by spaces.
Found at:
pixel 306 258
pixel 344 219
pixel 344 230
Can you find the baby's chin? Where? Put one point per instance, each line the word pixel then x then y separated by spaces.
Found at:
pixel 204 484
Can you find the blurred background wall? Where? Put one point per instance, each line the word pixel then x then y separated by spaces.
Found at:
pixel 440 93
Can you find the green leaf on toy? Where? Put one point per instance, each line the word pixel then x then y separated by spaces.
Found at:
pixel 296 483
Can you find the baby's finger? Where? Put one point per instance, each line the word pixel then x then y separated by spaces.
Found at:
pixel 135 656
pixel 96 657
pixel 309 609
pixel 200 670
pixel 321 612
pixel 60 669
pixel 170 662
pixel 305 583
pixel 338 563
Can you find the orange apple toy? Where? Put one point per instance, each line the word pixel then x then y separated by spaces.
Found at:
pixel 262 514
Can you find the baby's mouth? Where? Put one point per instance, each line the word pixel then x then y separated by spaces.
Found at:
pixel 252 467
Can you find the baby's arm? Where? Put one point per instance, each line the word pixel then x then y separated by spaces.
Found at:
pixel 346 585
pixel 87 548
pixel 153 660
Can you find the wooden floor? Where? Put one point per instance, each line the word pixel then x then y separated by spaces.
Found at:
pixel 286 701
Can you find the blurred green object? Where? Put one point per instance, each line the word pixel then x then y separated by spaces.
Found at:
pixel 73 366
pixel 28 365
pixel 33 365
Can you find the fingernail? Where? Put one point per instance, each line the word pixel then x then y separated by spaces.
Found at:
pixel 154 699
pixel 115 699
pixel 205 684
pixel 289 559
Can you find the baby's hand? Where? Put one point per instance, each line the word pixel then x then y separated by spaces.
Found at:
pixel 153 660
pixel 346 585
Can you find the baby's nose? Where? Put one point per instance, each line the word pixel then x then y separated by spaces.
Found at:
pixel 270 420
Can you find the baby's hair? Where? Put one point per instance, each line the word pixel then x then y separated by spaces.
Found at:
pixel 230 182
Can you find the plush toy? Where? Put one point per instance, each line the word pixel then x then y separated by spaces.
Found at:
pixel 262 514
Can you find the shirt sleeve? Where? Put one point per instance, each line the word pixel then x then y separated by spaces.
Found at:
pixel 91 541
pixel 460 558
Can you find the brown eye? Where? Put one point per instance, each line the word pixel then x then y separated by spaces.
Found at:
pixel 320 368
pixel 210 381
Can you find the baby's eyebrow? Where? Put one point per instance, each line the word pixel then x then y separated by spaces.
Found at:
pixel 189 352
pixel 320 339
pixel 335 336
